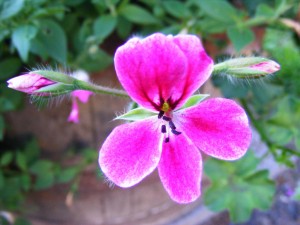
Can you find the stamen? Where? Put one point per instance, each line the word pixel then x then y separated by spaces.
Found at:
pixel 167 139
pixel 160 114
pixel 172 125
pixel 163 129
pixel 166 118
pixel 175 132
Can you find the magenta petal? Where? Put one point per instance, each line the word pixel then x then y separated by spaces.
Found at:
pixel 131 152
pixel 74 114
pixel 180 169
pixel 200 65
pixel 82 95
pixel 151 69
pixel 219 127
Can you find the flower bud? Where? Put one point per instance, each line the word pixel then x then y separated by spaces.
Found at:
pixel 29 83
pixel 248 67
pixel 267 67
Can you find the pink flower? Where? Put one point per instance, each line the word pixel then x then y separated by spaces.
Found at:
pixel 160 73
pixel 82 96
pixel 29 83
pixel 266 67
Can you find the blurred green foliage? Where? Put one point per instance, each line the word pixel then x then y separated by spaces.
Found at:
pixel 82 34
pixel 23 170
pixel 239 187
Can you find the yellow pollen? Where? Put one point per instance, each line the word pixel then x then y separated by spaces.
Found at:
pixel 165 107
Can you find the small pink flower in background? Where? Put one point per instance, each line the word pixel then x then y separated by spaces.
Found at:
pixel 82 95
pixel 160 73
pixel 29 82
pixel 267 67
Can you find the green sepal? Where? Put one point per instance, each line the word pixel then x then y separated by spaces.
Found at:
pixel 194 100
pixel 57 88
pixel 55 76
pixel 136 115
pixel 238 63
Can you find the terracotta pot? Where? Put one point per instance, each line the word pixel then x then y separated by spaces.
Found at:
pixel 98 204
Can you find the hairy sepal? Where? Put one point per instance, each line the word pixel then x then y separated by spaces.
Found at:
pixel 55 76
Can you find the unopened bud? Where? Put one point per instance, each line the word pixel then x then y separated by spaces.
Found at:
pixel 29 83
pixel 248 67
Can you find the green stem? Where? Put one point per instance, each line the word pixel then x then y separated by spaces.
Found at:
pixel 100 89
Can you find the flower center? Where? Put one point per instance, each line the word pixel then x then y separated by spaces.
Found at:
pixel 168 124
pixel 165 107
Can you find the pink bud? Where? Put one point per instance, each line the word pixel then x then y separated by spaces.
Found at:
pixel 29 83
pixel 74 115
pixel 266 67
pixel 82 95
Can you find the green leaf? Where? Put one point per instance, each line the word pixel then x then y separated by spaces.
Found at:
pixel 104 26
pixel 9 67
pixel 136 114
pixel 44 181
pixel 264 11
pixel 25 182
pixel 51 40
pixel 11 197
pixel 95 60
pixel 6 158
pixel 21 161
pixel 9 8
pixel 210 25
pixel 176 8
pixel 238 187
pixel 21 39
pixel 123 27
pixel 32 151
pixel 279 134
pixel 240 37
pixel 68 174
pixel 2 127
pixel 137 14
pixel 41 167
pixel 89 155
pixel 220 10
pixel 287 112
pixel 194 100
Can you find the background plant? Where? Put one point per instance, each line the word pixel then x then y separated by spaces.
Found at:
pixel 79 34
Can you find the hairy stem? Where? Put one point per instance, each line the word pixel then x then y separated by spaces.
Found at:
pixel 100 89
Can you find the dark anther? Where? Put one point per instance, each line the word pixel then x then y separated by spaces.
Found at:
pixel 166 118
pixel 163 129
pixel 175 132
pixel 160 114
pixel 167 139
pixel 172 125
